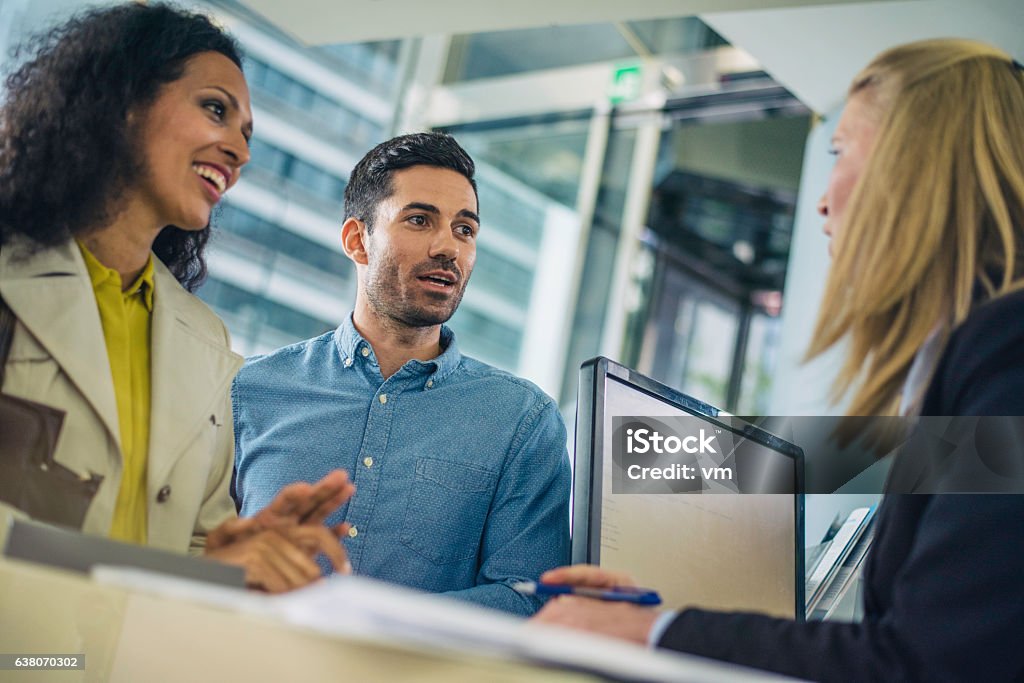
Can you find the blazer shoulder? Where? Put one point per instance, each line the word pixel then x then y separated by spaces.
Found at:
pixel 982 364
pixel 993 331
pixel 189 308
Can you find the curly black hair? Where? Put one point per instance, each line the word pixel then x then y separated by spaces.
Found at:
pixel 66 147
pixel 370 181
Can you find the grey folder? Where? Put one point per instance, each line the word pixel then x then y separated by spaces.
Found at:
pixel 79 552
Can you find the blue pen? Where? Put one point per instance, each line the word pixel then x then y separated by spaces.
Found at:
pixel 637 596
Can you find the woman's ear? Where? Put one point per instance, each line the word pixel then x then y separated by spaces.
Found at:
pixel 353 240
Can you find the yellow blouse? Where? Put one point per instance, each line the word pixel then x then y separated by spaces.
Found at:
pixel 126 317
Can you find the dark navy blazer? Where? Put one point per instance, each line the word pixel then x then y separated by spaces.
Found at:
pixel 944 584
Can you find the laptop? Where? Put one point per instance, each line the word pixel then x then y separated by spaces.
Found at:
pixel 731 542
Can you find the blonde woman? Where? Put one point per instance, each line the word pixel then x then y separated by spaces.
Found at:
pixel 925 208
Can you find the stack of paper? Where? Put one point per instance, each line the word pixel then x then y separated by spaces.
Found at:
pixel 347 605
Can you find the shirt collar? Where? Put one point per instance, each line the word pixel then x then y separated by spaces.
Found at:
pixel 350 345
pixel 100 274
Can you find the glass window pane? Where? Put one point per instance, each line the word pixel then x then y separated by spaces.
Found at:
pixel 759 364
pixel 501 276
pixel 251 313
pixel 710 331
pixel 486 339
pixel 547 156
pixel 317 181
pixel 677 35
pixel 268 157
pixel 499 53
pixel 276 239
pixel 373 64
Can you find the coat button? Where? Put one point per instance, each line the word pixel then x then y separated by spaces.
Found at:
pixel 163 494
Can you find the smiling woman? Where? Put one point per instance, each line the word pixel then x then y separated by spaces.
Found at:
pixel 119 133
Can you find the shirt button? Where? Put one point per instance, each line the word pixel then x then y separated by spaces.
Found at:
pixel 383 398
pixel 353 532
pixel 348 362
pixel 368 461
pixel 163 494
pixel 365 352
pixel 430 383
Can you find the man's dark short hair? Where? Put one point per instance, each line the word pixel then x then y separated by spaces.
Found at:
pixel 371 179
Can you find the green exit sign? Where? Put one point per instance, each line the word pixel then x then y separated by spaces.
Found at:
pixel 626 83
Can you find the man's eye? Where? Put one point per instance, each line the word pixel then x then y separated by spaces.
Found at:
pixel 467 230
pixel 217 108
pixel 418 220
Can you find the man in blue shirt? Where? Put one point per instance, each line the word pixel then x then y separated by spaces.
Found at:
pixel 461 472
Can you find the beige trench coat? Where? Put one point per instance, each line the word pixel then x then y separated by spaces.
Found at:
pixel 59 357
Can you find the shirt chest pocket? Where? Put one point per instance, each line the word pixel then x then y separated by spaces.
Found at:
pixel 448 505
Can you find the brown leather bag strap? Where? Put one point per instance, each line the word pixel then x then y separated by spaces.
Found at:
pixel 6 335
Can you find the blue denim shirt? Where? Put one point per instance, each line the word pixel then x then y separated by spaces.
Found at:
pixel 461 471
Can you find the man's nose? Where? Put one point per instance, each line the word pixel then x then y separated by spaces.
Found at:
pixel 445 246
pixel 823 206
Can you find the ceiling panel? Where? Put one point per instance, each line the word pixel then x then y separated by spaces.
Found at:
pixel 816 51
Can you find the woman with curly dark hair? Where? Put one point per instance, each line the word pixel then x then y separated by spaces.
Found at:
pixel 118 136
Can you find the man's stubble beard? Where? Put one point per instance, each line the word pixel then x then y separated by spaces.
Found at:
pixel 385 296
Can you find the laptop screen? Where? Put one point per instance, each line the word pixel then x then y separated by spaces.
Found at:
pixel 705 544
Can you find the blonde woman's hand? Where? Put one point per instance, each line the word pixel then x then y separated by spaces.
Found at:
pixel 587 576
pixel 615 619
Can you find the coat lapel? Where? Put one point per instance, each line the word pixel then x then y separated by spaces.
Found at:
pixel 50 293
pixel 191 369
pixel 190 364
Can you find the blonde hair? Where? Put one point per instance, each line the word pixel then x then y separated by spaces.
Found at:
pixel 935 224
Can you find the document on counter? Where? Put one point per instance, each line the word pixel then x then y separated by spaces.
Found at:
pixel 356 606
pixel 365 609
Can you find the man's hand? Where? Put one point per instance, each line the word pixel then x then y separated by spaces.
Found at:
pixel 296 504
pixel 587 576
pixel 278 546
pixel 616 619
pixel 314 539
pixel 302 503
